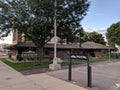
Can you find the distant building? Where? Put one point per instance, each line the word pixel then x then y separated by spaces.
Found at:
pixel 3 51
pixel 2 47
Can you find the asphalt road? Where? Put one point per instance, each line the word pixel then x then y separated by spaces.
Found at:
pixel 105 75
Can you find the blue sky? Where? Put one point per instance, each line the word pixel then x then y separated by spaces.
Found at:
pixel 101 14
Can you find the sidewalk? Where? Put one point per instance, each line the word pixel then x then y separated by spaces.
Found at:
pixel 13 80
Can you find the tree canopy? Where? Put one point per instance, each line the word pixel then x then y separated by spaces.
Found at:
pixel 113 34
pixel 94 37
pixel 35 18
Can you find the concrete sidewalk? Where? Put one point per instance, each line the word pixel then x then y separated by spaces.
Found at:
pixel 13 80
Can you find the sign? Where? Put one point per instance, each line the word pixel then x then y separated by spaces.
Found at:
pixel 89 71
pixel 78 56
pixel 29 54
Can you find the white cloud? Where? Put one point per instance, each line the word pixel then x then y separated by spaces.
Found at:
pixel 99 30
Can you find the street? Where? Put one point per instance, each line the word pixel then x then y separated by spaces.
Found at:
pixel 105 75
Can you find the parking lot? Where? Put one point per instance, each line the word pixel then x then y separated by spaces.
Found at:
pixel 105 75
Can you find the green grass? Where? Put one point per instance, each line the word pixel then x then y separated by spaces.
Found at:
pixel 31 65
pixel 92 60
pixel 26 66
pixel 73 63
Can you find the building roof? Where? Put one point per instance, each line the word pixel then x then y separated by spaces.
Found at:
pixel 93 45
pixel 85 45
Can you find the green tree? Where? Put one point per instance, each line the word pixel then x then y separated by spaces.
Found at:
pixel 79 33
pixel 94 37
pixel 35 18
pixel 113 34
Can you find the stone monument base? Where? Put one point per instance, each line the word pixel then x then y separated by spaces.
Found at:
pixel 54 66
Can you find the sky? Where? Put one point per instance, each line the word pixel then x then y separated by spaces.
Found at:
pixel 101 14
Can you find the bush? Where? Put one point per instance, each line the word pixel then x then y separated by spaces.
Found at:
pixel 115 55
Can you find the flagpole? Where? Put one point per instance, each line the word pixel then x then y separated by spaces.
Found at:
pixel 55 65
pixel 55 36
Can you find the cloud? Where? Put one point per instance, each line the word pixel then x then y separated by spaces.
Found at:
pixel 99 30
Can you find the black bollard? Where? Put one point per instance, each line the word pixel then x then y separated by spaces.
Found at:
pixel 70 70
pixel 89 72
pixel 89 76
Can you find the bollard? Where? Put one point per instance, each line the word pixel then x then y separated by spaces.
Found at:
pixel 70 70
pixel 89 76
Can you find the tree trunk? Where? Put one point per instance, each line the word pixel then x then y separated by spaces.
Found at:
pixel 40 54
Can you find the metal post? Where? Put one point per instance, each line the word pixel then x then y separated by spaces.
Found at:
pixel 88 61
pixel 89 76
pixel 109 53
pixel 25 59
pixel 35 60
pixel 70 68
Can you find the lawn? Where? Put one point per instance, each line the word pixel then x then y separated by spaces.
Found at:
pixel 26 66
pixel 21 66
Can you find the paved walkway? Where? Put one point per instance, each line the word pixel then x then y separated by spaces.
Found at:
pixel 13 80
pixel 105 75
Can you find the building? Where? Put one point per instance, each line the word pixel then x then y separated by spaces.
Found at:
pixel 3 51
pixel 20 45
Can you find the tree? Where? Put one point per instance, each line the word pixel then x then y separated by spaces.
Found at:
pixel 79 33
pixel 94 37
pixel 35 18
pixel 29 17
pixel 113 34
pixel 69 16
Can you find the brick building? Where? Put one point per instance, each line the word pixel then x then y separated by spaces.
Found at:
pixel 20 45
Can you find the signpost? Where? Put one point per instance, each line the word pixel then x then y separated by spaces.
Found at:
pixel 29 55
pixel 89 69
